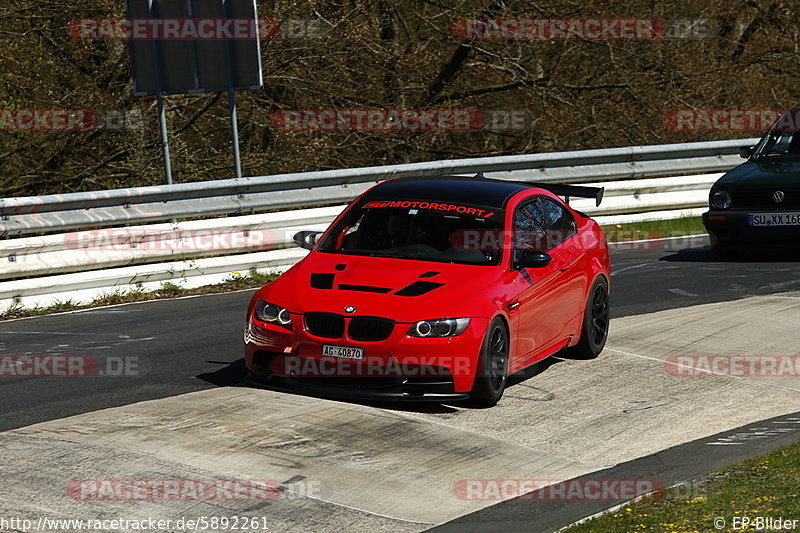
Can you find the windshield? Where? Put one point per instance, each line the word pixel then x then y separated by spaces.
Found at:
pixel 783 138
pixel 418 230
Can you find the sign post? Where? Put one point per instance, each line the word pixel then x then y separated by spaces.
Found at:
pixel 162 113
pixel 237 159
pixel 162 120
pixel 180 55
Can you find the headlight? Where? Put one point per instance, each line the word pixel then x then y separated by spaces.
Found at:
pixel 274 314
pixel 721 199
pixel 445 327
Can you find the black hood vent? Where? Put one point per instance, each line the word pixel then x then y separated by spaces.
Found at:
pixel 418 288
pixel 363 288
pixel 320 280
pixel 429 274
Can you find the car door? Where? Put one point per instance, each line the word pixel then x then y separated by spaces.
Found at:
pixel 544 296
pixel 567 250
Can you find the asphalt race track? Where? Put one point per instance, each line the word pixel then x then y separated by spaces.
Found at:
pixel 397 468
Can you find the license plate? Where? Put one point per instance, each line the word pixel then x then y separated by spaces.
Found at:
pixel 342 352
pixel 774 219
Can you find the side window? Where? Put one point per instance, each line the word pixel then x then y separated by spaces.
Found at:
pixel 530 229
pixel 560 224
pixel 541 225
pixel 779 141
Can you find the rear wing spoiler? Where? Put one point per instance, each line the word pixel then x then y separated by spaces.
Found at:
pixel 572 190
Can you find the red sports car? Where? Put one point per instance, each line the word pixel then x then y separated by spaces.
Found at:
pixel 434 289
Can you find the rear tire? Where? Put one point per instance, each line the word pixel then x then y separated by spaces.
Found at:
pixel 490 381
pixel 594 331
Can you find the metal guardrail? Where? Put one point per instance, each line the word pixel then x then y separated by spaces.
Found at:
pixel 46 267
pixel 64 212
pixel 105 248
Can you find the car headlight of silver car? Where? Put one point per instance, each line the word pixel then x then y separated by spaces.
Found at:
pixel 721 199
pixel 444 327
pixel 273 314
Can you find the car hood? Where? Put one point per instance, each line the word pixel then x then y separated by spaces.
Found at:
pixel 403 290
pixel 773 171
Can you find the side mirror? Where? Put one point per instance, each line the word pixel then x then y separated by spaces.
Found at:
pixel 306 239
pixel 746 152
pixel 534 259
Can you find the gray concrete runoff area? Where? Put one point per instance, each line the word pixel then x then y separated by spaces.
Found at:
pixel 347 466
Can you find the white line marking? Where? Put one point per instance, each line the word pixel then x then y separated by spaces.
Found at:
pixel 614 272
pixel 661 239
pixel 782 285
pixel 73 333
pixel 57 348
pixel 105 311
pixel 614 508
pixel 128 303
pixel 664 362
pixel 682 292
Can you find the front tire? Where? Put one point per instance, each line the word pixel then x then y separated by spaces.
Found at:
pixel 596 316
pixel 726 250
pixel 490 382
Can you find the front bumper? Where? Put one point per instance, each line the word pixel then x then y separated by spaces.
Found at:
pixel 399 368
pixel 731 229
pixel 400 391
